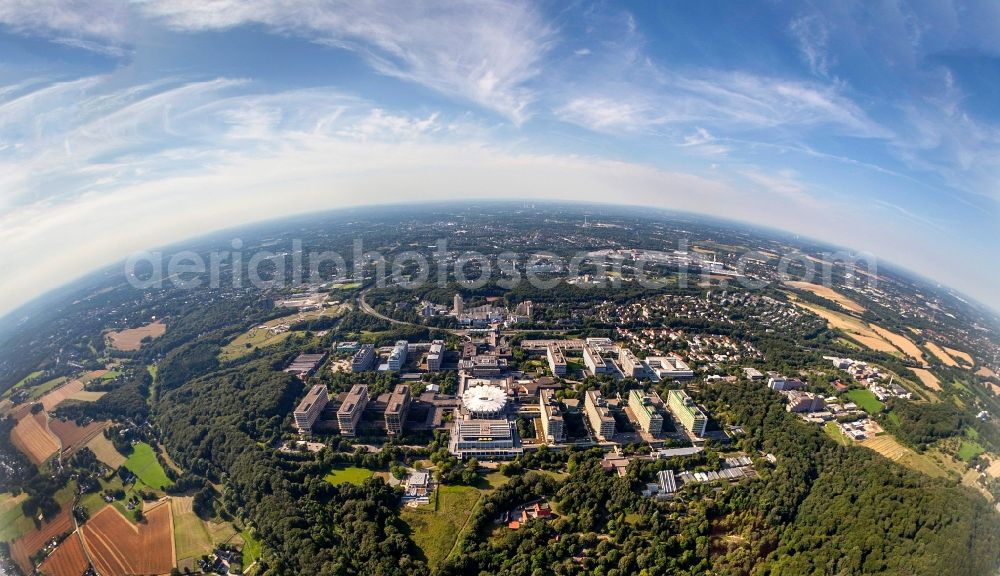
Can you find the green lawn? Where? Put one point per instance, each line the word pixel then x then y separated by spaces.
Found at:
pixel 436 527
pixel 833 431
pixel 866 400
pixel 251 548
pixel 13 522
pixel 969 450
pixel 111 374
pixel 22 382
pixel 43 388
pixel 350 474
pixel 143 463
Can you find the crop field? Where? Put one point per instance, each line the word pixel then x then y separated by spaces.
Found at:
pixel 131 339
pixel 962 357
pixel 13 523
pixel 72 436
pixel 53 398
pixel 142 461
pixel 33 439
pixel 829 294
pixel 866 400
pixel 940 353
pixel 93 375
pixel 86 396
pixel 192 535
pixel 26 546
pixel 904 344
pixel 44 388
pixel 106 451
pixel 436 527
pixel 350 474
pixel 926 463
pixel 118 548
pixel 68 559
pixel 927 378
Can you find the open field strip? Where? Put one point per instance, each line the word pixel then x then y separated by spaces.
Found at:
pixel 829 294
pixel 927 378
pixel 962 357
pixel 131 340
pixel 940 354
pixel 32 437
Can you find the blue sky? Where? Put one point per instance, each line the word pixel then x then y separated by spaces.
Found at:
pixel 872 125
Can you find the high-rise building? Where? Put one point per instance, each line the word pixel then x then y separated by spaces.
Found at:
pixel 459 305
pixel 557 362
pixel 689 415
pixel 310 407
pixel 645 408
pixel 363 359
pixel 631 366
pixel 397 358
pixel 599 416
pixel 349 413
pixel 435 355
pixel 396 409
pixel 592 358
pixel 552 420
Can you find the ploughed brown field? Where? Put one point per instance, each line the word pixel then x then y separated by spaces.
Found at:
pixel 53 398
pixel 24 547
pixel 68 559
pixel 74 437
pixel 131 339
pixel 33 439
pixel 118 548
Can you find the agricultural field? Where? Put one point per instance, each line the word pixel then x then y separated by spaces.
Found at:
pixel 32 437
pixel 106 451
pixel 193 536
pixel 868 335
pixel 93 375
pixel 55 397
pixel 829 294
pixel 22 382
pixel 118 548
pixel 86 396
pixel 940 353
pixel 13 523
pixel 350 474
pixel 68 559
pixel 26 546
pixel 932 462
pixel 927 378
pixel 866 400
pixel 131 340
pixel 435 528
pixel 143 463
pixel 961 357
pixel 73 437
pixel 45 387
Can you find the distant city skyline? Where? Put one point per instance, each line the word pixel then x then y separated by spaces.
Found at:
pixel 869 125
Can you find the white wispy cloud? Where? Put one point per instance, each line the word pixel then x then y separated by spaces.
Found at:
pixel 95 25
pixel 812 35
pixel 485 52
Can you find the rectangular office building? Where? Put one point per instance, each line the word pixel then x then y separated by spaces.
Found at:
pixel 689 415
pixel 310 407
pixel 592 358
pixel 396 409
pixel 363 359
pixel 557 362
pixel 631 366
pixel 435 356
pixel 552 421
pixel 645 408
pixel 397 358
pixel 599 416
pixel 484 439
pixel 349 413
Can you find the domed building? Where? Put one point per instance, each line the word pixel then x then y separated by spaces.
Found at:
pixel 484 401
